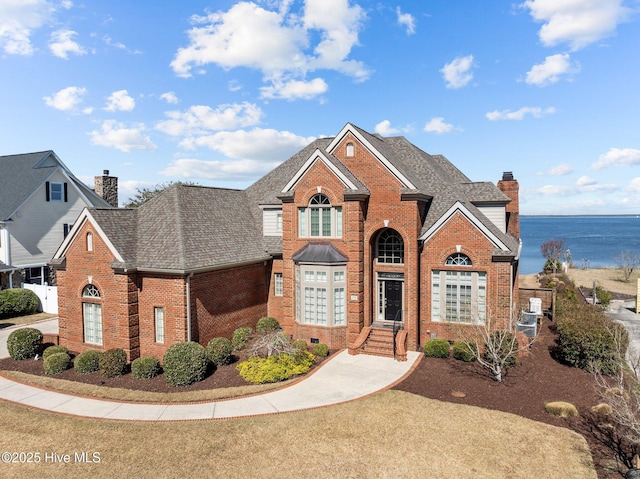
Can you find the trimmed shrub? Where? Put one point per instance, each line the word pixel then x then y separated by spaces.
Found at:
pixel 589 340
pixel 146 367
pixel 185 363
pixel 87 362
pixel 461 351
pixel 240 338
pixel 603 296
pixel 436 348
pixel 267 325
pixel 275 368
pixel 561 409
pixel 53 350
pixel 113 363
pixel 56 363
pixel 18 302
pixel 24 343
pixel 507 348
pixel 321 350
pixel 300 344
pixel 219 351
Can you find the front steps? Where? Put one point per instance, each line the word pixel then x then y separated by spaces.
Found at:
pixel 378 341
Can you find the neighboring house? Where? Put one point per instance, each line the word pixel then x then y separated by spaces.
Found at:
pixel 350 240
pixel 39 201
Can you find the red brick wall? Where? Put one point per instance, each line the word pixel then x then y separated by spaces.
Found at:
pixel 118 297
pixel 274 305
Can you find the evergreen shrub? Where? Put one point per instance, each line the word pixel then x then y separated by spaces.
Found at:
pixel 18 302
pixel 185 363
pixel 436 348
pixel 56 363
pixel 275 368
pixel 113 363
pixel 219 351
pixel 300 344
pixel 24 343
pixel 461 351
pixel 53 350
pixel 240 337
pixel 267 325
pixel 87 362
pixel 146 367
pixel 321 350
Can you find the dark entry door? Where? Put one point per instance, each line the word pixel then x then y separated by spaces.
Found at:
pixel 393 300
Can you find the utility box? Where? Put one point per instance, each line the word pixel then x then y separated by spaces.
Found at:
pixel 535 306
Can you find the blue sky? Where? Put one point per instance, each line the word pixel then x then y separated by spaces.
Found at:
pixel 220 92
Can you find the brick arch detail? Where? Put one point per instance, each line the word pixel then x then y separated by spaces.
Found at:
pixel 449 251
pixel 309 193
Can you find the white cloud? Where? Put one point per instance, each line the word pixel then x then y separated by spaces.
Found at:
pixel 120 101
pixel 535 112
pixel 384 128
pixel 169 97
pixel 457 73
pixel 66 99
pixel 549 72
pixel 18 20
pixel 438 125
pixel 558 170
pixel 202 119
pixel 295 89
pixel 217 170
pixel 258 144
pixel 634 185
pixel 407 20
pixel 62 44
pixel 617 157
pixel 280 43
pixel 585 181
pixel 115 135
pixel 576 22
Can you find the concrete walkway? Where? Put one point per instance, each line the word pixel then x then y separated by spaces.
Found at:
pixel 342 378
pixel 624 313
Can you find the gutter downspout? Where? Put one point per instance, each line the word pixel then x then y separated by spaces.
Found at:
pixel 189 306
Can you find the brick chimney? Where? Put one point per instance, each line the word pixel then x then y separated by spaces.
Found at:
pixel 509 186
pixel 107 187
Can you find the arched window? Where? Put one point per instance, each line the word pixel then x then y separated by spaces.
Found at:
pixel 390 247
pixel 89 242
pixel 92 315
pixel 458 259
pixel 320 219
pixel 350 149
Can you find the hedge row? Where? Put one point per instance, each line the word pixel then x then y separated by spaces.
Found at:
pixel 18 302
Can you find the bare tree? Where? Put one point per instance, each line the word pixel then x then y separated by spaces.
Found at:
pixel 493 343
pixel 627 261
pixel 552 250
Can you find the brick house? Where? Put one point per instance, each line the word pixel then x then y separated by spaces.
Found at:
pixel 354 241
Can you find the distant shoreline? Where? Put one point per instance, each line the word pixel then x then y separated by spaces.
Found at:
pixel 583 216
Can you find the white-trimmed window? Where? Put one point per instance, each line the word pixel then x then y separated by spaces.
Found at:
pixel 89 242
pixel 458 296
pixel 350 149
pixel 158 314
pixel 92 315
pixel 277 284
pixel 320 219
pixel 390 247
pixel 321 295
pixel 56 191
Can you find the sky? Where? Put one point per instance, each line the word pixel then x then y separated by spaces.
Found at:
pixel 220 92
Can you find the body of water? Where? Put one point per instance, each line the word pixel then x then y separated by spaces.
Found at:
pixel 594 241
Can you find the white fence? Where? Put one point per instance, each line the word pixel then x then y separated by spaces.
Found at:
pixel 48 296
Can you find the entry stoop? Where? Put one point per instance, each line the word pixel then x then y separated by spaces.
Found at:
pixel 378 341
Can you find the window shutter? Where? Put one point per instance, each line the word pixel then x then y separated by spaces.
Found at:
pixel 47 190
pixel 65 193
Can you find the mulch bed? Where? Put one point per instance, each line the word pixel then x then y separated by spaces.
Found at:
pixel 537 379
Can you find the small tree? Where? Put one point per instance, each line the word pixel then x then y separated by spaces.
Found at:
pixel 627 261
pixel 552 250
pixel 493 343
pixel 144 193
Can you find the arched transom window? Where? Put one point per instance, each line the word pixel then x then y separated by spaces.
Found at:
pixel 90 291
pixel 458 259
pixel 320 218
pixel 390 247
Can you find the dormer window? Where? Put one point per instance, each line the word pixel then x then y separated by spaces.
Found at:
pixel 350 149
pixel 320 219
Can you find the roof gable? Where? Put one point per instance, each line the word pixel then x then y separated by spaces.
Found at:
pixel 319 156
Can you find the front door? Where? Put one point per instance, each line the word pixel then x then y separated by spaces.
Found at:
pixel 392 300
